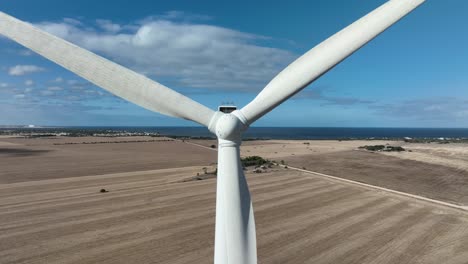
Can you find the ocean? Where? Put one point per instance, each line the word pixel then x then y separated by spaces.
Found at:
pixel 322 132
pixel 294 132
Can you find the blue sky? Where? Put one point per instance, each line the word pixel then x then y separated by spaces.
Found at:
pixel 413 75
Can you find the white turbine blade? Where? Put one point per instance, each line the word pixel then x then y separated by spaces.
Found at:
pixel 116 79
pixel 235 239
pixel 325 56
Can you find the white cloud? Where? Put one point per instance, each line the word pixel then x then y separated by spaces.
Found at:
pixel 184 54
pixel 25 52
pixel 108 26
pixel 462 114
pixel 47 93
pixel 72 21
pixel 55 88
pixel 181 16
pixel 73 98
pixel 58 80
pixel 19 96
pixel 434 109
pixel 4 85
pixel 20 70
pixel 29 82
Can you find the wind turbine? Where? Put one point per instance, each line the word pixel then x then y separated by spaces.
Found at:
pixel 235 239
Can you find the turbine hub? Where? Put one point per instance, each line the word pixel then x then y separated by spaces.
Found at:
pixel 229 127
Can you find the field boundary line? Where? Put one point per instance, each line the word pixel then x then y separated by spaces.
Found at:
pixel 418 197
pixel 370 186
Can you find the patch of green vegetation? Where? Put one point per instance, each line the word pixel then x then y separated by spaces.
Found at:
pixel 383 148
pixel 373 148
pixel 253 161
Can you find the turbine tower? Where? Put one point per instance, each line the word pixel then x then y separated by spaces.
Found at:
pixel 235 239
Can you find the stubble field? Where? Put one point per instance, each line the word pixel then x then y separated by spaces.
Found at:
pixel 50 158
pixel 154 212
pixel 431 170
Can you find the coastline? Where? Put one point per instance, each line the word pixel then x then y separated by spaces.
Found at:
pixel 256 133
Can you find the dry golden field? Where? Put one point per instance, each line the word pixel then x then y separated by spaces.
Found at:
pixel 432 170
pixel 42 158
pixel 156 217
pixel 53 212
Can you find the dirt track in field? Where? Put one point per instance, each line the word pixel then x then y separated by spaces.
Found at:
pixel 419 178
pixel 155 217
pixel 431 170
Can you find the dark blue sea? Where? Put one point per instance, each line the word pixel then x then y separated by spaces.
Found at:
pixel 302 132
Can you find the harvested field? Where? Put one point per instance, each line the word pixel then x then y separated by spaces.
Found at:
pixel 155 217
pixel 59 140
pixel 278 149
pixel 450 155
pixel 40 159
pixel 420 178
pixel 49 215
pixel 203 142
pixel 432 170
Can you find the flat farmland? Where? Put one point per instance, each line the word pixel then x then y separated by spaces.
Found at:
pixel 159 217
pixel 415 177
pixel 52 210
pixel 53 158
pixel 432 170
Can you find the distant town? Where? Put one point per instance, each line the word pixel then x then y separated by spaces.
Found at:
pixel 33 131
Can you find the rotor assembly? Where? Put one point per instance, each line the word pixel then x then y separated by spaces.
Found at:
pixel 235 235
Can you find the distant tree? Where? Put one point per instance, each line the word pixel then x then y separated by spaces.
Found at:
pixel 386 148
pixel 253 161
